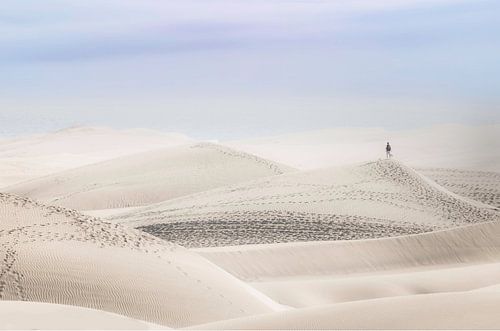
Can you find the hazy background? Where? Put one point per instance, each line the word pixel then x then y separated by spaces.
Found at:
pixel 234 69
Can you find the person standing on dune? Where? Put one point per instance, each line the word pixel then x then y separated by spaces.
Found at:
pixel 388 151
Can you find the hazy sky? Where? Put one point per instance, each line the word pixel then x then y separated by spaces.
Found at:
pixel 233 68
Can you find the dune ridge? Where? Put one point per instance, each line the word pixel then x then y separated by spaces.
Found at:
pixel 478 243
pixel 149 177
pixel 39 155
pixel 446 279
pixel 456 311
pixel 109 267
pixel 482 186
pixel 370 200
pixel 439 146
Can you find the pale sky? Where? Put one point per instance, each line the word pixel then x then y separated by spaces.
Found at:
pixel 223 69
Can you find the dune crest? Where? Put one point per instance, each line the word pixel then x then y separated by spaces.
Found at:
pixel 447 279
pixel 440 146
pixel 149 177
pixel 482 186
pixel 455 311
pixel 369 200
pixel 34 156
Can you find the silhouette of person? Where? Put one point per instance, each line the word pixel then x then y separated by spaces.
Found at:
pixel 388 151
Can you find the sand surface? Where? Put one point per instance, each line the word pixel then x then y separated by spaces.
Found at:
pixel 55 255
pixel 369 200
pixel 478 243
pixel 30 157
pixel 481 186
pixel 146 178
pixel 313 231
pixel 22 315
pixel 443 146
pixel 456 311
pixel 448 279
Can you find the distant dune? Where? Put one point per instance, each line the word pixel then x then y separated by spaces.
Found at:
pixel 442 146
pixel 149 177
pixel 369 200
pixel 56 255
pixel 29 157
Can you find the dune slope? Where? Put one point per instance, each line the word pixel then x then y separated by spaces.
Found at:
pixel 56 255
pixel 456 311
pixel 443 146
pixel 479 243
pixel 444 279
pixel 370 200
pixel 149 177
pixel 29 157
pixel 481 186
pixel 22 315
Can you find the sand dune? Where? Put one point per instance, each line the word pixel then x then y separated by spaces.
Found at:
pixel 302 292
pixel 479 243
pixel 55 255
pixel 149 177
pixel 481 186
pixel 29 157
pixel 445 279
pixel 370 200
pixel 377 244
pixel 21 315
pixel 443 146
pixel 464 310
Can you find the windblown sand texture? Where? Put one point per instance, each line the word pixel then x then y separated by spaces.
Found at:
pixel 56 255
pixel 369 200
pixel 149 177
pixel 204 236
pixel 481 186
pixel 448 279
pixel 36 315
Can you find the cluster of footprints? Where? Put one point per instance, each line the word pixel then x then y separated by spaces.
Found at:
pixel 481 186
pixel 56 224
pixel 269 216
pixel 274 226
pixel 10 279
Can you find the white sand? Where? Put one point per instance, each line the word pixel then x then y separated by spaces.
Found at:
pixel 71 267
pixel 22 315
pixel 149 177
pixel 478 243
pixel 369 200
pixel 463 310
pixel 301 291
pixel 445 146
pixel 447 279
pixel 29 157
pixel 58 256
pixel 481 186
